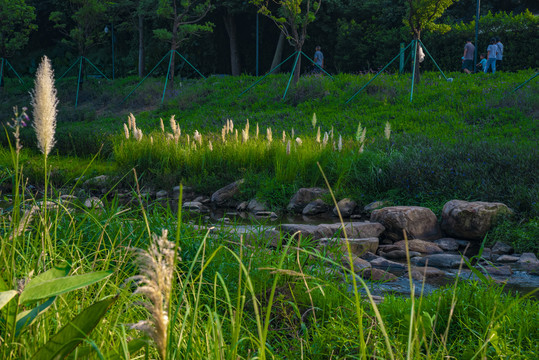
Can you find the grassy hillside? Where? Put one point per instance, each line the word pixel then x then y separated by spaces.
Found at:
pixel 470 138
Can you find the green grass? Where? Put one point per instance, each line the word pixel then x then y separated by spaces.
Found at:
pixel 222 284
pixel 469 139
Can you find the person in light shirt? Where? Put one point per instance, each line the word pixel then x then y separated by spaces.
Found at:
pixel 492 53
pixel 499 57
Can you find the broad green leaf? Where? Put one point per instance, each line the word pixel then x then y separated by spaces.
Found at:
pixel 71 335
pixel 50 288
pixel 6 296
pixel 25 318
pixel 54 273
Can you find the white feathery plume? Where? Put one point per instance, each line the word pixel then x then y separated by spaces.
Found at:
pixel 247 127
pixel 173 123
pixel 151 139
pixel 299 141
pixel 236 134
pixel 154 282
pixel 197 137
pixel 362 137
pixel 292 133
pixel 210 146
pixel 223 134
pixel 331 133
pixel 257 131
pixel 288 148
pixel 269 135
pixel 126 131
pixel 162 125
pixel 387 130
pixel 132 121
pixel 188 140
pixel 318 135
pixel 284 136
pixel 245 135
pixel 326 138
pixel 314 120
pixel 339 146
pixel 137 134
pixel 361 148
pixel 44 102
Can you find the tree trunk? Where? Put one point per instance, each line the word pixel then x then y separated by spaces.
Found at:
pixel 140 46
pixel 230 26
pixel 278 55
pixel 297 72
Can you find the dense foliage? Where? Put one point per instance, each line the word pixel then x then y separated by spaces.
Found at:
pixel 354 35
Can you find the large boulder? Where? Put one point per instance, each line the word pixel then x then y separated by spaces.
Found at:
pixel 528 262
pixel 223 196
pixel 345 207
pixel 256 206
pixel 419 222
pixel 315 207
pixel 303 197
pixel 471 220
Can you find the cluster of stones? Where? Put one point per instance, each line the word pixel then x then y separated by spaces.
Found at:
pixel 376 233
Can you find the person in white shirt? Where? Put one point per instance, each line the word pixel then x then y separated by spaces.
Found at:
pixel 499 57
pixel 492 53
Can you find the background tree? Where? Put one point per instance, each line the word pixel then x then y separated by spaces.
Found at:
pixel 81 22
pixel 421 15
pixel 292 18
pixel 133 16
pixel 15 26
pixel 185 16
pixel 230 10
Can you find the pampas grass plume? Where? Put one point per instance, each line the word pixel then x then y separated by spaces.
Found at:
pixel 156 271
pixel 44 102
pixel 387 130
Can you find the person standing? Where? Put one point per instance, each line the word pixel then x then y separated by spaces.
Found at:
pixel 492 53
pixel 468 57
pixel 499 57
pixel 318 60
